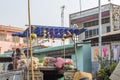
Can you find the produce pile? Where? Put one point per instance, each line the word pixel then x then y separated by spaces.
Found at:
pixel 49 61
pixel 26 63
pixel 59 63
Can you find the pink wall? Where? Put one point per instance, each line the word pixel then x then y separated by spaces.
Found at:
pixel 5 46
pixel 8 43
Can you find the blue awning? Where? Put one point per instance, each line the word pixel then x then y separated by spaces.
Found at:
pixel 18 34
pixel 55 31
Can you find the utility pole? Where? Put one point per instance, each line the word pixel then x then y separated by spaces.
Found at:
pixel 109 1
pixel 80 5
pixel 62 24
pixel 100 29
pixel 62 15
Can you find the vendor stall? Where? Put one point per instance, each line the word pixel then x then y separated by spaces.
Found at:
pixel 52 32
pixel 83 53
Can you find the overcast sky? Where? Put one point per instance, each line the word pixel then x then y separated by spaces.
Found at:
pixel 43 12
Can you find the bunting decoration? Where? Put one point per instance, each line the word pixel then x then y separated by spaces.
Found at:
pixel 51 32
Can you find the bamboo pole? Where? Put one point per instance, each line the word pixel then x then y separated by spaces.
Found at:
pixel 76 54
pixel 29 21
pixel 14 54
pixel 64 48
pixel 28 56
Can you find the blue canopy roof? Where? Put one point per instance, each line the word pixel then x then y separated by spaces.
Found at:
pixel 57 32
pixel 18 34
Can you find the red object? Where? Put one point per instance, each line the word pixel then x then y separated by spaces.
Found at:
pixel 68 62
pixel 59 63
pixel 105 51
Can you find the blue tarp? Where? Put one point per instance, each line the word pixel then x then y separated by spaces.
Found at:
pixel 18 34
pixel 57 32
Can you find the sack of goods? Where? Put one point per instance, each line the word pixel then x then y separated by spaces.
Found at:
pixel 35 62
pixel 26 63
pixel 22 63
pixel 49 61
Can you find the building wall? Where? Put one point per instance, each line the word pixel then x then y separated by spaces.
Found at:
pixel 104 30
pixel 80 62
pixel 110 11
pixel 86 58
pixel 83 54
pixel 6 41
pixel 114 15
pixel 88 16
pixel 88 12
pixel 58 42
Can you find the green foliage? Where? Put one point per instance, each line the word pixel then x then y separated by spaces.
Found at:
pixel 67 67
pixel 41 60
pixel 107 67
pixel 113 66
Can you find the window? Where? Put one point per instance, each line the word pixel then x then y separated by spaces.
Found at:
pixel 97 31
pixel 91 33
pixel 95 22
pixel 108 29
pixel 86 34
pixel 16 39
pixel 94 32
pixel 2 36
pixel 105 20
pixel 25 40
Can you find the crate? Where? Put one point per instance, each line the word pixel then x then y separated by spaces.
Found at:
pixel 69 74
pixel 37 75
pixel 12 75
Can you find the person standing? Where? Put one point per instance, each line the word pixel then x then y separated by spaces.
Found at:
pixel 27 53
pixel 19 55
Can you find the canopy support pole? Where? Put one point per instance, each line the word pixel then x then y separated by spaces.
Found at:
pixel 75 46
pixel 28 55
pixel 64 48
pixel 14 54
pixel 76 54
pixel 29 21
